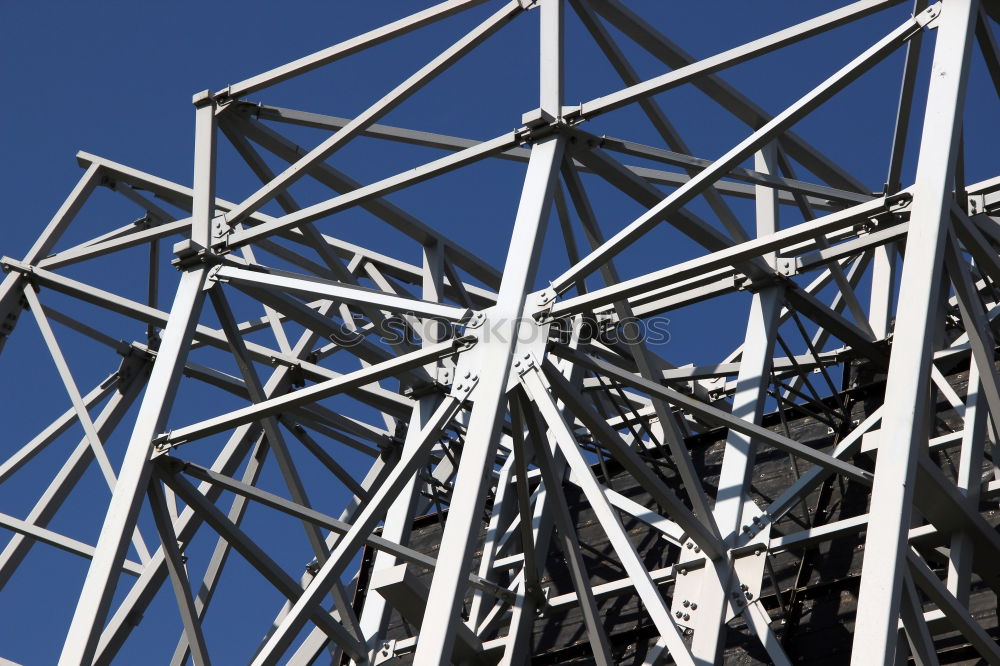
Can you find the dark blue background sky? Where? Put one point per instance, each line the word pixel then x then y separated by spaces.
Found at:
pixel 116 79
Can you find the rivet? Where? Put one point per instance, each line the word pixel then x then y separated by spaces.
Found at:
pixel 679 614
pixel 686 617
pixel 686 603
pixel 694 606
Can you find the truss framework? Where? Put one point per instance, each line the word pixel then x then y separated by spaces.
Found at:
pixel 511 394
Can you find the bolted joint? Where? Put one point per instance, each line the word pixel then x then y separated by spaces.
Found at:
pixel 220 227
pixel 788 266
pixel 524 364
pixel 476 319
pixel 544 297
pixel 189 254
pixel 463 386
pixel 926 17
pixel 538 124
pixel 899 201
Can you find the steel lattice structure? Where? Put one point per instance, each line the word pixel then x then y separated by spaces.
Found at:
pixel 479 392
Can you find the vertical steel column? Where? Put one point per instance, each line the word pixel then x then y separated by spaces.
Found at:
pixel 99 586
pixel 502 323
pixel 398 520
pixel 748 404
pixel 904 420
pixel 447 590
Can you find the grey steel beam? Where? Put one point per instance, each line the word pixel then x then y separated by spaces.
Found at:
pixel 95 599
pixel 69 474
pixel 258 559
pixel 823 198
pixel 531 379
pixel 731 99
pixel 723 258
pixel 178 575
pixel 373 191
pixel 346 48
pixel 56 428
pixel 735 477
pixel 674 201
pixel 346 547
pixel 33 532
pixel 340 182
pixel 695 529
pixel 220 555
pixel 387 103
pixel 904 430
pixel 568 540
pixel 312 287
pixel 646 363
pixel 312 394
pixel 447 590
pixel 717 416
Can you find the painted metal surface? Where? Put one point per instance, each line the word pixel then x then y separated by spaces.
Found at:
pixel 507 403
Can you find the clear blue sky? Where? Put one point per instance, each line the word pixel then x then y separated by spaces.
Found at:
pixel 116 78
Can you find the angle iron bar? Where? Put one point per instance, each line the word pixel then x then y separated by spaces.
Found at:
pixel 313 393
pixel 380 188
pixel 716 416
pixel 721 259
pixel 346 48
pixel 387 103
pixel 726 95
pixel 674 201
pixel 348 544
pixel 312 287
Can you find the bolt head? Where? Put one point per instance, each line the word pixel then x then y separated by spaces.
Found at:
pixel 686 603
pixel 694 606
pixel 686 617
pixel 679 614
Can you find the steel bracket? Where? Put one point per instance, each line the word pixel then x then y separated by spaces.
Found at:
pixel 928 17
pixel 189 254
pixel 386 652
pixel 788 266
